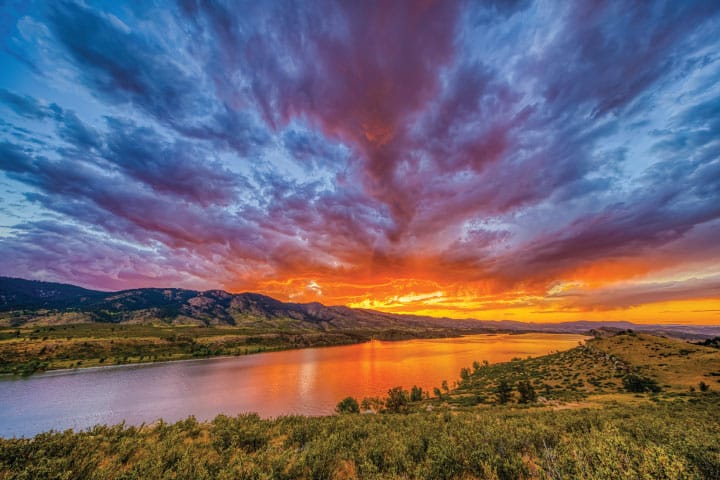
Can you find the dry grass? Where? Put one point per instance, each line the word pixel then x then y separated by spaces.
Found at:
pixel 592 374
pixel 677 365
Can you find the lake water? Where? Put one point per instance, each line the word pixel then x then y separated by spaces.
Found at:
pixel 308 382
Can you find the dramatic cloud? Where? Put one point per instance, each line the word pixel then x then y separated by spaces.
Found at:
pixel 509 159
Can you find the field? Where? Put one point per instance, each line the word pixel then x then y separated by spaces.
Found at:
pixel 581 418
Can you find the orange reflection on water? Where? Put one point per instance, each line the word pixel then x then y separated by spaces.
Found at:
pixel 308 382
pixel 312 381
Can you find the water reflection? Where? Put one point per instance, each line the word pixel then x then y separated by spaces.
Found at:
pixel 308 382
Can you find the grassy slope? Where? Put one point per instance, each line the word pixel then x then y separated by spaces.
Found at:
pixel 676 365
pixel 25 350
pixel 594 372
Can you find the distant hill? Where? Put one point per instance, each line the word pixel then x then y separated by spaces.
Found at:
pixel 16 293
pixel 28 301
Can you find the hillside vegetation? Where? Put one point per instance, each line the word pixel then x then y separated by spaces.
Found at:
pixel 25 350
pixel 584 421
pixel 597 371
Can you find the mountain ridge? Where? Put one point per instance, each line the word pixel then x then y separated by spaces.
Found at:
pixel 52 302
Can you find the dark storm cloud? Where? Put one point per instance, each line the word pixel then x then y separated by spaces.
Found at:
pixel 125 67
pixel 359 72
pixel 22 105
pixel 176 168
pixel 72 130
pixel 611 53
pixel 120 65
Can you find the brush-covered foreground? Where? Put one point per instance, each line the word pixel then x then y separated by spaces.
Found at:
pixel 582 423
pixel 674 440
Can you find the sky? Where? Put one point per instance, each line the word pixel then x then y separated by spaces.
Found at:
pixel 510 160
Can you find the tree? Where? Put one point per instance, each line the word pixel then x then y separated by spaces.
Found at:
pixel 437 392
pixel 445 386
pixel 476 366
pixel 374 404
pixel 704 387
pixel 503 392
pixel 639 384
pixel 397 401
pixel 527 392
pixel 348 405
pixel 416 394
pixel 464 374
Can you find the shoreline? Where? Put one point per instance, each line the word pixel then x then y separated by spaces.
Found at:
pixel 63 371
pixel 533 348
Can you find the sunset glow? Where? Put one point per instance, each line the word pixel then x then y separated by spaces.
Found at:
pixel 521 160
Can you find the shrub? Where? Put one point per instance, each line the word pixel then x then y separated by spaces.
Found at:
pixel 375 404
pixel 244 431
pixel 527 392
pixel 639 384
pixel 348 405
pixel 397 401
pixel 416 394
pixel 503 392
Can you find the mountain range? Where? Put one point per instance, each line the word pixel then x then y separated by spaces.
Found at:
pixel 36 302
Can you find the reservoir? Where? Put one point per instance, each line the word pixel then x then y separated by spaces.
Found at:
pixel 292 382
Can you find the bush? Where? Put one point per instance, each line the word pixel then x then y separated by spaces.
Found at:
pixel 348 405
pixel 669 440
pixel 397 401
pixel 638 384
pixel 503 392
pixel 416 394
pixel 245 432
pixel 374 404
pixel 527 392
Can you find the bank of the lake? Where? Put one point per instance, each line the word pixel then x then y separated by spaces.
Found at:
pixel 304 381
pixel 30 349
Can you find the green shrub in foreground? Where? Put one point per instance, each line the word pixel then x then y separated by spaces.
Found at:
pixel 348 405
pixel 666 440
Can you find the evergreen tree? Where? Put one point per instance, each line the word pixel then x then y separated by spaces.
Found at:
pixel 527 392
pixel 416 394
pixel 503 392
